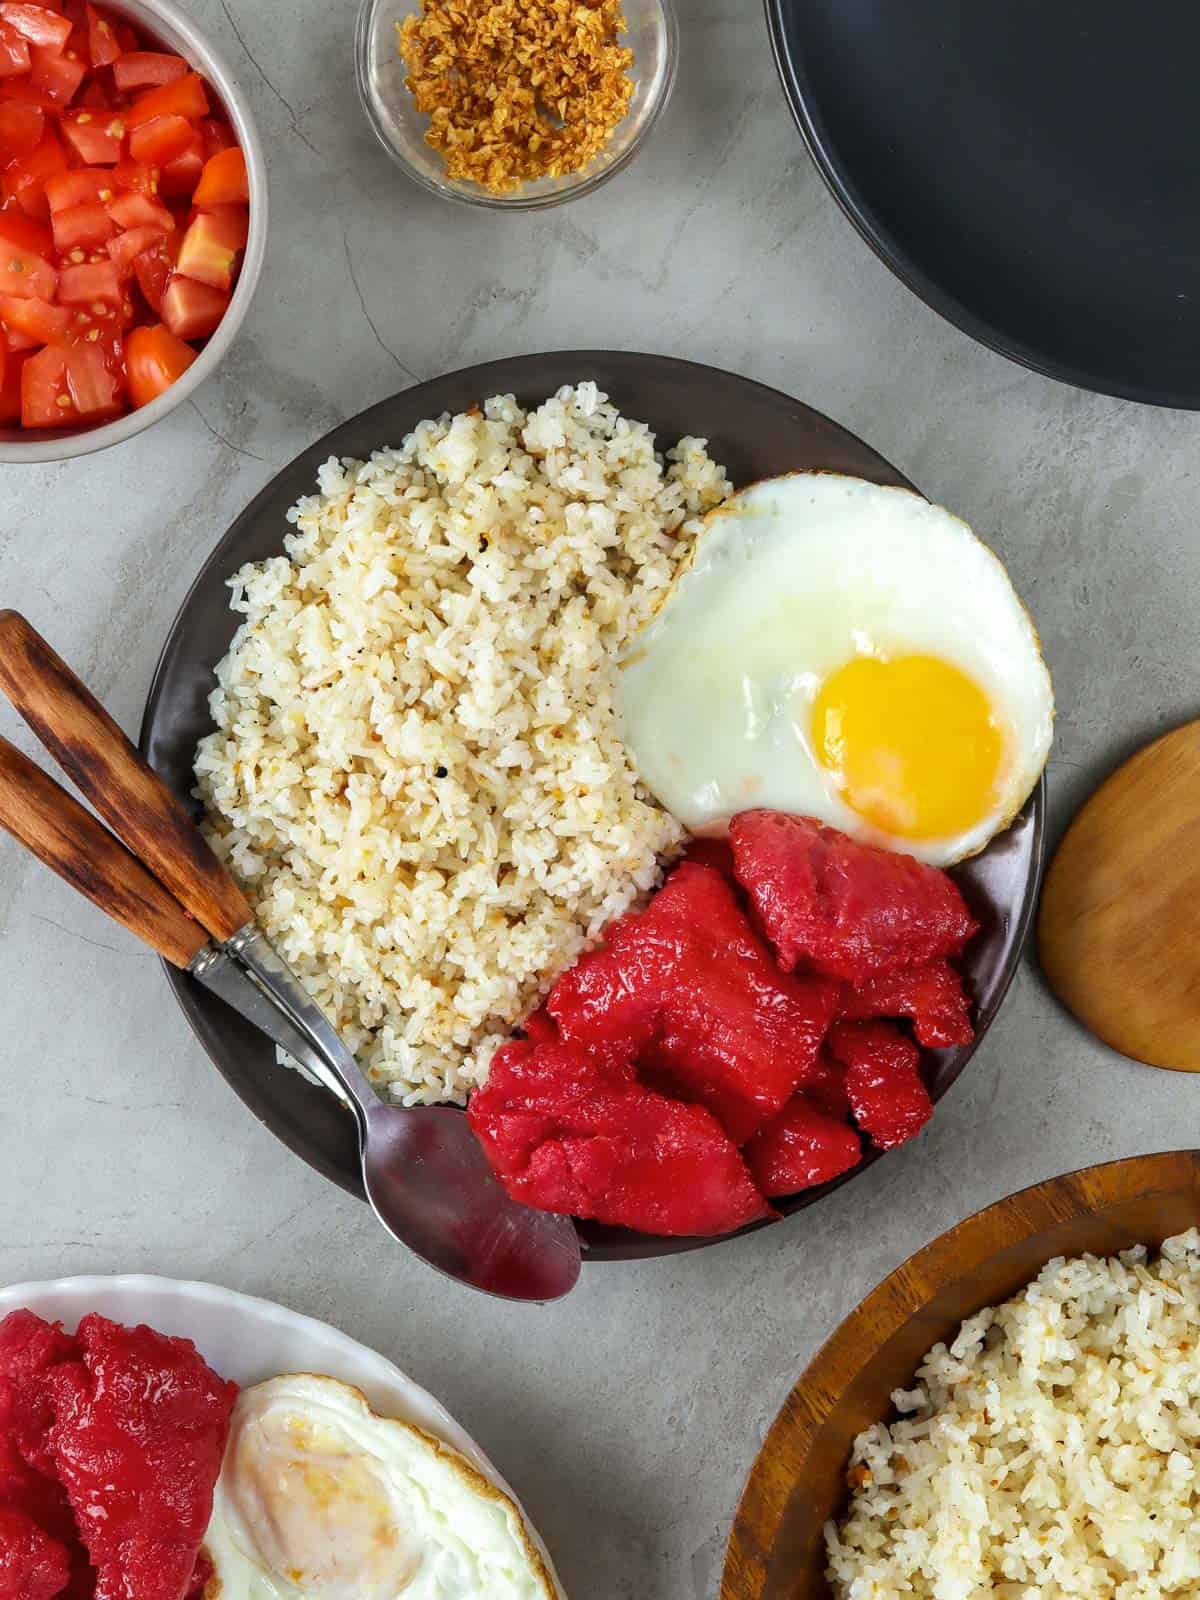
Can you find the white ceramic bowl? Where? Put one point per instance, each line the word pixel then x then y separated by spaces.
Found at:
pixel 177 32
pixel 248 1341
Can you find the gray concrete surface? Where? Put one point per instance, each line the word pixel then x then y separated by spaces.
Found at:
pixel 628 1416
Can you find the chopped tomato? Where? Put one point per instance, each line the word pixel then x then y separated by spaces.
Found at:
pixel 91 382
pixel 132 175
pixel 16 228
pixel 193 310
pixel 91 283
pixel 216 135
pixel 153 269
pixel 225 181
pixel 95 135
pixel 45 401
pixel 154 359
pixel 38 24
pixel 25 275
pixel 21 92
pixel 179 177
pixel 133 210
pixel 103 46
pixel 78 188
pixel 35 319
pixel 21 129
pixel 16 340
pixel 58 72
pixel 82 228
pixel 128 246
pixel 25 180
pixel 10 390
pixel 14 53
pixel 147 69
pixel 210 247
pixel 159 141
pixel 185 97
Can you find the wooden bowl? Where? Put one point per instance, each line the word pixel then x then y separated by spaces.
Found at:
pixel 777 1547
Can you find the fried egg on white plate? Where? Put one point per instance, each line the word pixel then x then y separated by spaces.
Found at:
pixel 320 1499
pixel 844 651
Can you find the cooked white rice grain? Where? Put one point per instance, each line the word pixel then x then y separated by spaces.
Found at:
pixel 1052 1451
pixel 416 772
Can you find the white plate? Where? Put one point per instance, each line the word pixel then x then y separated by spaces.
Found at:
pixel 248 1340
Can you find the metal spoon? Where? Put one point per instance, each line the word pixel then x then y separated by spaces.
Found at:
pixel 423 1170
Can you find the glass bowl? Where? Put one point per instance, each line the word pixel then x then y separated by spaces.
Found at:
pixel 651 33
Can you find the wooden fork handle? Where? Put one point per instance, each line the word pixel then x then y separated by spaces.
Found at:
pixel 105 767
pixel 46 820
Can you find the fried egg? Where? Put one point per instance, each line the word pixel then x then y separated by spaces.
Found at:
pixel 320 1499
pixel 844 651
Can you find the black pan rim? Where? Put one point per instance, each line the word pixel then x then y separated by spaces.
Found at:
pixel 599 1243
pixel 915 278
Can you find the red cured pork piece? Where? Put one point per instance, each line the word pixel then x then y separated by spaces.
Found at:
pixel 845 908
pixel 889 1101
pixel 799 1148
pixel 932 997
pixel 687 989
pixel 565 1133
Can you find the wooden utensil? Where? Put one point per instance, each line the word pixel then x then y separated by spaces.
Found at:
pixel 424 1172
pixel 1119 926
pixel 777 1549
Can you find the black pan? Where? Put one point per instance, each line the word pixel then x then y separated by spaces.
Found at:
pixel 756 432
pixel 1031 170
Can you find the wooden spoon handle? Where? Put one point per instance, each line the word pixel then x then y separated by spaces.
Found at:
pixel 128 794
pixel 46 820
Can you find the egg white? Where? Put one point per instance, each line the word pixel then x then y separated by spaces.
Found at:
pixel 320 1499
pixel 791 579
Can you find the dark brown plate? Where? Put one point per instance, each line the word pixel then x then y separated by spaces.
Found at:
pixel 777 1548
pixel 756 432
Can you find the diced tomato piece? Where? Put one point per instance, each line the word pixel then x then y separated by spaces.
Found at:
pixel 82 187
pixel 19 91
pixel 159 141
pixel 59 73
pixel 211 245
pixel 82 228
pixel 38 24
pixel 16 228
pixel 21 129
pixel 217 136
pixel 35 319
pixel 127 37
pixel 25 275
pixel 183 98
pixel 45 401
pixel 16 340
pixel 95 136
pixel 94 282
pixel 103 45
pixel 147 69
pixel 14 52
pixel 92 383
pixel 132 175
pixel 154 358
pixel 128 246
pixel 225 181
pixel 10 390
pixel 25 181
pixel 94 96
pixel 133 210
pixel 193 310
pixel 153 269
pixel 179 177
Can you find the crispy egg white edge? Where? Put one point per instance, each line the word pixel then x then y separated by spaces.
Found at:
pixel 742 502
pixel 463 1469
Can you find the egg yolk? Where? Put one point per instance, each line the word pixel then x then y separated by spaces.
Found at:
pixel 913 744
